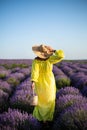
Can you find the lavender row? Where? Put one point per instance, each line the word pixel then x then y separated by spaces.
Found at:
pixel 5 73
pixel 9 80
pixel 61 78
pixel 74 67
pixel 14 119
pixel 3 100
pixel 10 62
pixel 21 97
pixel 72 118
pixel 78 75
pixel 12 78
pixel 70 113
pixel 71 110
pixel 67 96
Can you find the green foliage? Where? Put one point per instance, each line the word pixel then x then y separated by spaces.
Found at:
pixel 2 76
pixel 11 66
pixel 13 81
pixel 4 106
pixel 62 82
pixel 22 106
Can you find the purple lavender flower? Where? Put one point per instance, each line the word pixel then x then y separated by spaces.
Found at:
pixel 67 100
pixel 4 73
pixel 26 85
pixel 82 70
pixel 32 124
pixel 74 66
pixel 13 81
pixel 83 66
pixel 5 87
pixel 19 120
pixel 26 71
pixel 76 77
pixel 67 70
pixel 57 71
pixel 68 90
pixel 17 69
pixel 17 75
pixel 9 62
pixel 3 96
pixel 81 82
pixel 72 118
pixel 21 97
pixel 15 78
pixel 13 118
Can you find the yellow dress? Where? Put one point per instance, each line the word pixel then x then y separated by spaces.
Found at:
pixel 45 86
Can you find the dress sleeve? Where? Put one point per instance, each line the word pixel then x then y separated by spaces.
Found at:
pixel 34 71
pixel 56 57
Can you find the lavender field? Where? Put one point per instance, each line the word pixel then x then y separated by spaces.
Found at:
pixel 71 97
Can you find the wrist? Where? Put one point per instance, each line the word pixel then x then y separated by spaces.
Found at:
pixel 54 51
pixel 33 84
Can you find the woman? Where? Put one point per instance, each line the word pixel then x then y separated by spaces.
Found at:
pixel 43 80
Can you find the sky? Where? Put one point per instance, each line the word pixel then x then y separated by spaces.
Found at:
pixel 61 24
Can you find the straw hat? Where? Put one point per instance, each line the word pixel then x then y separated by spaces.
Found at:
pixel 43 51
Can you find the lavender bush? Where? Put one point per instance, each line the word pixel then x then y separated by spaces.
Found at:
pixel 83 66
pixel 5 87
pixel 72 118
pixel 3 100
pixel 82 70
pixel 13 118
pixel 62 81
pixel 81 82
pixel 67 70
pixel 17 69
pixel 3 95
pixel 57 71
pixel 13 81
pixel 21 100
pixel 4 73
pixel 67 90
pixel 18 120
pixel 17 75
pixel 26 71
pixel 32 124
pixel 21 97
pixel 66 101
pixel 15 78
pixel 76 77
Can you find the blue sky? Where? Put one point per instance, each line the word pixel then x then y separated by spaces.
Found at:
pixel 61 24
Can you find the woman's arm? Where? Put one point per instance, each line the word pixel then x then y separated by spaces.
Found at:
pixel 56 57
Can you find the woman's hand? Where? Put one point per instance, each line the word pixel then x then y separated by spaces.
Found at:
pixel 33 85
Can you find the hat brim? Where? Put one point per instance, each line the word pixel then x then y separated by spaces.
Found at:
pixel 41 54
